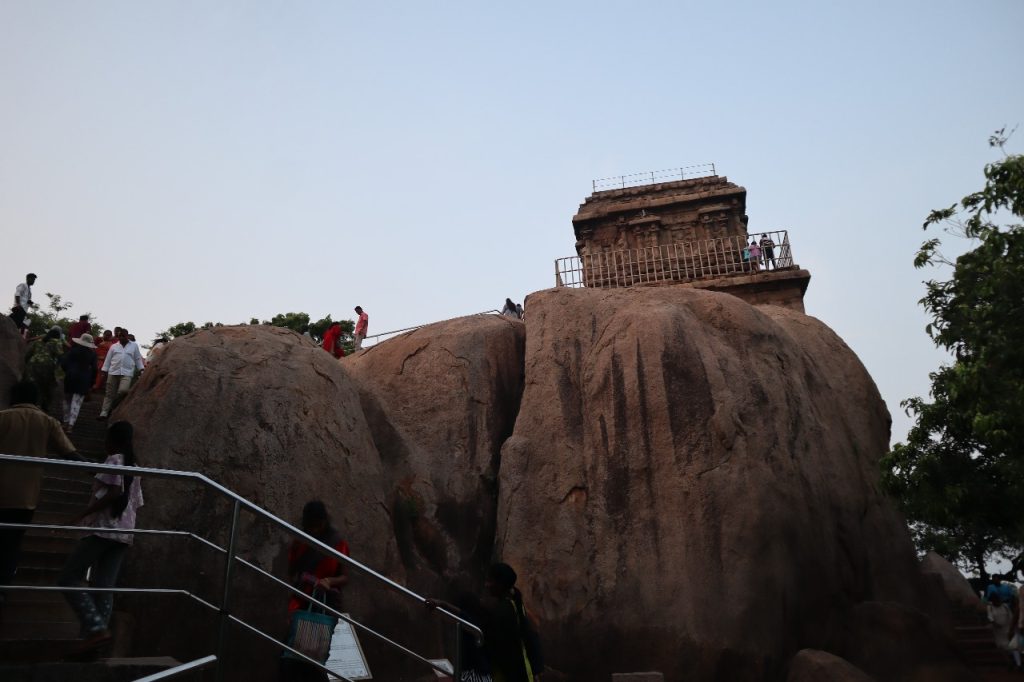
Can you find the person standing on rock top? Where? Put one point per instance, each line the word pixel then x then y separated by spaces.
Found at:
pixel 123 359
pixel 755 255
pixel 22 301
pixel 361 325
pixel 768 251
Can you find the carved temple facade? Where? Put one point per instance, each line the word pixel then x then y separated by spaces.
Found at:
pixel 690 232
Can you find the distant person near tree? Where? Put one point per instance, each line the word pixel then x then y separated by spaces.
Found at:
pixel 27 431
pixel 998 588
pixel 768 251
pixel 79 365
pixel 79 328
pixel 22 302
pixel 332 340
pixel 159 345
pixel 42 366
pixel 112 509
pixel 361 325
pixel 103 345
pixel 123 359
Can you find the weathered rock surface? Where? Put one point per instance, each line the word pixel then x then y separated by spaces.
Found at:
pixel 277 420
pixel 812 665
pixel 440 401
pixel 893 641
pixel 954 584
pixel 691 485
pixel 12 358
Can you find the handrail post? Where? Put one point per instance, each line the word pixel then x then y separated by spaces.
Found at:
pixel 229 566
pixel 457 663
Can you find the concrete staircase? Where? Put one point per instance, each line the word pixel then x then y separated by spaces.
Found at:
pixel 974 639
pixel 39 633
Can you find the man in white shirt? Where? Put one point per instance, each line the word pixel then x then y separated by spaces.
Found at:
pixel 119 367
pixel 22 300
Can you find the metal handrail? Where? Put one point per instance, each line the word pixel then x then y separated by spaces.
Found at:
pixel 197 664
pixel 248 564
pixel 376 337
pixel 238 503
pixel 676 262
pixel 704 170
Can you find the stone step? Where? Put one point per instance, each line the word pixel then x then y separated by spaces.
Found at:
pixel 69 483
pixel 52 630
pixel 105 670
pixel 47 542
pixel 36 575
pixel 16 612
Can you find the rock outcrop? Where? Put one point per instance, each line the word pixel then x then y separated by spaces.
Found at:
pixel 274 418
pixel 954 584
pixel 685 482
pixel 691 485
pixel 440 401
pixel 812 665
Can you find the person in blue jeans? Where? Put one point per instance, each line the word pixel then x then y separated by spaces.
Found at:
pixel 112 509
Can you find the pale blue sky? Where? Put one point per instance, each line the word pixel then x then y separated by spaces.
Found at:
pixel 162 162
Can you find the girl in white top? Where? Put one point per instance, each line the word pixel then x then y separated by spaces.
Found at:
pixel 112 509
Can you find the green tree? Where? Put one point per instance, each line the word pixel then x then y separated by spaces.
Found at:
pixel 180 329
pixel 297 322
pixel 55 313
pixel 959 477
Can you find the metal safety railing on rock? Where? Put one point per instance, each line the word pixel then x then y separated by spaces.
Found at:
pixel 700 170
pixel 383 336
pixel 679 262
pixel 238 504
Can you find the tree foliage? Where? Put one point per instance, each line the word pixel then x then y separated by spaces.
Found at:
pixel 41 318
pixel 297 322
pixel 960 475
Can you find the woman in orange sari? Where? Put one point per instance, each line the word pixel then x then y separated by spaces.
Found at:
pixel 102 346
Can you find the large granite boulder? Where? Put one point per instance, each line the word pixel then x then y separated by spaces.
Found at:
pixel 440 401
pixel 277 420
pixel 12 358
pixel 812 665
pixel 692 484
pixel 954 584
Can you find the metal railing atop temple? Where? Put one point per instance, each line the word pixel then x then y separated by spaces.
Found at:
pixel 679 262
pixel 701 170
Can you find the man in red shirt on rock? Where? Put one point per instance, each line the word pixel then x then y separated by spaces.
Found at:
pixel 79 328
pixel 361 324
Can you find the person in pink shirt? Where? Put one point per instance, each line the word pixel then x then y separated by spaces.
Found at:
pixel 361 324
pixel 112 510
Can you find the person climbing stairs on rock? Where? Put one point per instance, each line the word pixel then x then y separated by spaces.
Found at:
pixel 112 509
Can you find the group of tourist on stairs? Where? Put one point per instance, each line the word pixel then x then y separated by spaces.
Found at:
pixel 107 520
pixel 78 362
